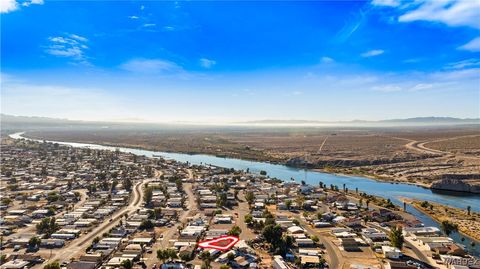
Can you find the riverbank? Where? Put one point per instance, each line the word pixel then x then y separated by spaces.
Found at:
pixel 260 157
pixel 352 172
pixel 468 225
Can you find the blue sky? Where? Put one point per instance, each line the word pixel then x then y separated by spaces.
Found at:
pixel 235 61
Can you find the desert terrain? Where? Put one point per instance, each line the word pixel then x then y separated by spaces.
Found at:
pixel 437 157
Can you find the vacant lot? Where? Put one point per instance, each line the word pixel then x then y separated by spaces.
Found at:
pixel 415 155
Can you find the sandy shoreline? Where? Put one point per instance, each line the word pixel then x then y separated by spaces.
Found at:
pixel 467 225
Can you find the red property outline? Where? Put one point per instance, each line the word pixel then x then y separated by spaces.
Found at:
pixel 211 243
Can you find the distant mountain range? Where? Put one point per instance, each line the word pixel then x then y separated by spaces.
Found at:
pixel 32 121
pixel 417 120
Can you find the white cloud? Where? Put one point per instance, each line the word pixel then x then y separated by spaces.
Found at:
pixel 372 53
pixel 151 66
pixel 421 86
pixel 12 5
pixel 79 38
pixel 149 25
pixel 69 46
pixel 452 13
pixel 32 2
pixel 207 63
pixel 133 17
pixel 465 63
pixel 8 6
pixel 169 28
pixel 387 88
pixel 326 60
pixel 473 45
pixel 387 3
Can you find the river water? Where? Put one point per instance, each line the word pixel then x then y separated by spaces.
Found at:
pixel 370 186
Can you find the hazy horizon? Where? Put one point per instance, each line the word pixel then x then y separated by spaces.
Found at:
pixel 234 62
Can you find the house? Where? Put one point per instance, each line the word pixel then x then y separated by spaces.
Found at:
pixel 279 263
pixel 421 231
pixel 391 252
pixel 81 265
pixel 304 242
pixel 15 264
pixel 349 244
pixel 295 230
pixel 307 261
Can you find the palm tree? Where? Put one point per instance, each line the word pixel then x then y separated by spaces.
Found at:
pixel 448 227
pixel 396 237
pixel 161 255
pixel 207 258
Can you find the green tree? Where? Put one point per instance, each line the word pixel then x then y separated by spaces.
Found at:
pixel 146 225
pixel 207 259
pixel 235 231
pixel 148 195
pixel 222 199
pixel 185 255
pixel 179 184
pixel 448 227
pixel 126 264
pixel 47 226
pixel 52 265
pixel 396 237
pixel 34 242
pixel 161 255
pixel 250 197
pixel 272 234
pixel 288 204
pixel 127 184
pixel 248 219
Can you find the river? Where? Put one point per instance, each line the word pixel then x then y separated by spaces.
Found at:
pixel 394 191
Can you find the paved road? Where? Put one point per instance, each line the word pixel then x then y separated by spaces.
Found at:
pixel 333 253
pixel 78 246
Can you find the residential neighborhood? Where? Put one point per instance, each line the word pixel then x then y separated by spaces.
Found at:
pixel 82 208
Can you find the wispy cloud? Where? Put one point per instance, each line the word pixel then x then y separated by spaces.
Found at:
pixel 463 64
pixel 473 45
pixel 372 53
pixel 388 3
pixel 133 17
pixel 452 13
pixel 421 86
pixel 149 25
pixel 326 60
pixel 151 66
pixel 70 46
pixel 449 12
pixel 169 28
pixel 7 6
pixel 386 88
pixel 207 63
